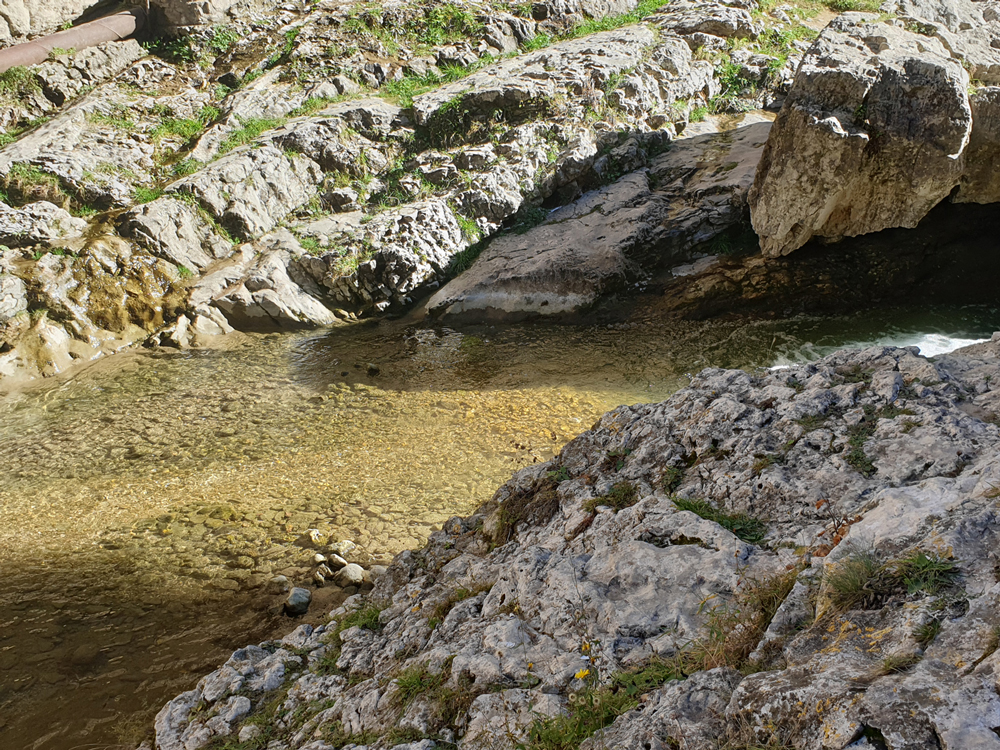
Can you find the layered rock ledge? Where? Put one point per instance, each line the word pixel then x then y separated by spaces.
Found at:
pixel 802 557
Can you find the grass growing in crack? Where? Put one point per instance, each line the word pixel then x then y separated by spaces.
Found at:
pixel 365 618
pixel 859 581
pixel 862 580
pixel 250 129
pixel 141 194
pixel 18 83
pixel 622 495
pixel 857 436
pixel 751 530
pixel 897 664
pixel 671 479
pixel 417 680
pixel 733 631
pixel 926 633
pixel 608 23
pixel 535 505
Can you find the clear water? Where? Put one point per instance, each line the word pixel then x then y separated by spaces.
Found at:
pixel 146 501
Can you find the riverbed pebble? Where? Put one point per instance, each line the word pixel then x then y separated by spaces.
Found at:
pixel 298 600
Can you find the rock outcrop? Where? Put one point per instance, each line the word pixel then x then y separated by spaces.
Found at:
pixel 695 571
pixel 617 235
pixel 871 136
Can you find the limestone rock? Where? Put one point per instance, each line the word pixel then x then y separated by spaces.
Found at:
pixel 298 600
pixel 529 83
pixel 980 181
pixel 12 297
pixel 614 235
pixel 35 223
pixel 252 189
pixel 870 137
pixel 176 231
pixel 66 76
pixel 256 292
pixel 22 17
pixel 969 30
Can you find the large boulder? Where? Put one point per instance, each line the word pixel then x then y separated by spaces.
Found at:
pixel 615 234
pixel 19 18
pixel 870 137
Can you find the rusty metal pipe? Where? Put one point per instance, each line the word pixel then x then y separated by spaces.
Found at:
pixel 109 29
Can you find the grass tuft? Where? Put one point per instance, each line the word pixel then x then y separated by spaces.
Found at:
pixel 751 530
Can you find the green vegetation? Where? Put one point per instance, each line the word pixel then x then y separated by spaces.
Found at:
pixel 365 618
pixel 535 505
pixel 538 41
pixel 223 39
pixel 751 530
pixel 142 194
pixel 17 83
pixel 314 104
pixel 622 495
pixel 184 272
pixel 118 116
pixel 863 581
pixel 560 474
pixel 732 633
pixel 186 167
pixel 417 680
pixel 592 26
pixel 310 245
pixel 429 26
pixel 250 129
pixel 921 572
pixel 896 664
pixel 671 479
pixel 926 633
pixel 26 183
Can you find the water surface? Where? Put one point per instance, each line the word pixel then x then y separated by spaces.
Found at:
pixel 146 502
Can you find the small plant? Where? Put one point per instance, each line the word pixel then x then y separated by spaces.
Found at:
pixel 857 436
pixel 186 167
pixel 897 664
pixel 744 526
pixel 417 680
pixel 671 479
pixel 141 194
pixel 614 459
pixel 118 117
pixel 926 633
pixel 859 581
pixel 310 245
pixel 534 505
pixel 537 42
pixel 560 474
pixel 223 38
pixel 921 572
pixel 470 230
pixel 698 114
pixel 17 83
pixel 622 495
pixel 184 272
pixel 250 128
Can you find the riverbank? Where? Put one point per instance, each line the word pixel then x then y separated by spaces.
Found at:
pixel 800 558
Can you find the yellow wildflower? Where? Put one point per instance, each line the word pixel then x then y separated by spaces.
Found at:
pixel 582 673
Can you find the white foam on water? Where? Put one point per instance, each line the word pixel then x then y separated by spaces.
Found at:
pixel 930 345
pixel 933 344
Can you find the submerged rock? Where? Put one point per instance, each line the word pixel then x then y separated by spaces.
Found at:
pixel 298 601
pixel 692 549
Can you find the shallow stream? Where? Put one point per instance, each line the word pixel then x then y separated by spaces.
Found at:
pixel 146 501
